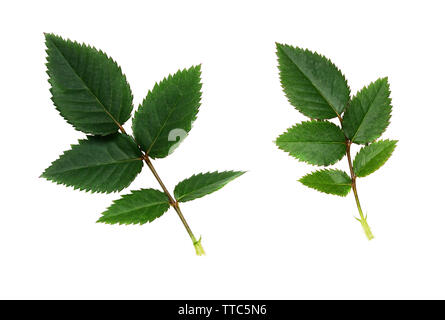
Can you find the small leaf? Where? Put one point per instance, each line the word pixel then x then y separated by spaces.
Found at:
pixel 98 164
pixel 328 181
pixel 312 83
pixel 372 157
pixel 87 87
pixel 168 112
pixel 202 184
pixel 368 114
pixel 140 206
pixel 315 142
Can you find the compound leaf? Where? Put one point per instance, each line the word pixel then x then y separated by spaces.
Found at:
pixel 312 83
pixel 202 184
pixel 168 111
pixel 328 181
pixel 368 114
pixel 87 87
pixel 315 142
pixel 98 164
pixel 138 207
pixel 372 157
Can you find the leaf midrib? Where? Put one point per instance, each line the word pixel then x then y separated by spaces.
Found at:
pixel 96 165
pixel 373 159
pixel 333 184
pixel 316 142
pixel 85 85
pixel 316 88
pixel 366 113
pixel 110 214
pixel 201 188
pixel 163 126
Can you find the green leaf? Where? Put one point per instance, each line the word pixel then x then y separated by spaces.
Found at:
pixel 140 206
pixel 315 142
pixel 368 114
pixel 87 87
pixel 202 184
pixel 312 83
pixel 167 112
pixel 372 157
pixel 328 181
pixel 98 164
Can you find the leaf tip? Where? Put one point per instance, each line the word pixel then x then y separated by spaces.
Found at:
pixel 196 67
pixel 50 36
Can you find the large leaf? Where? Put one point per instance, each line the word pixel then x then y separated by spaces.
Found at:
pixel 312 83
pixel 168 111
pixel 368 114
pixel 98 164
pixel 315 142
pixel 202 184
pixel 372 157
pixel 328 181
pixel 140 206
pixel 88 88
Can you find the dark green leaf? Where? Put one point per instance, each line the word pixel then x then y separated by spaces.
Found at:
pixel 140 206
pixel 98 164
pixel 168 112
pixel 372 157
pixel 202 184
pixel 328 181
pixel 88 88
pixel 312 83
pixel 315 142
pixel 368 114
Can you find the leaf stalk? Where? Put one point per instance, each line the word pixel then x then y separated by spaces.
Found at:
pixel 363 218
pixel 175 204
pixel 172 201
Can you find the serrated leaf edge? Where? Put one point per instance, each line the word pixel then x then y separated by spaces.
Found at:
pixel 305 161
pixel 381 165
pixel 84 45
pixel 278 45
pixel 238 174
pixel 126 196
pixel 86 189
pixel 360 93
pixel 157 85
pixel 337 184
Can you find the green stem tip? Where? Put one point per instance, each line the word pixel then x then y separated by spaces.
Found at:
pixel 366 228
pixel 198 247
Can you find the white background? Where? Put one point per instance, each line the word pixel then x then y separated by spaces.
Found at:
pixel 266 235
